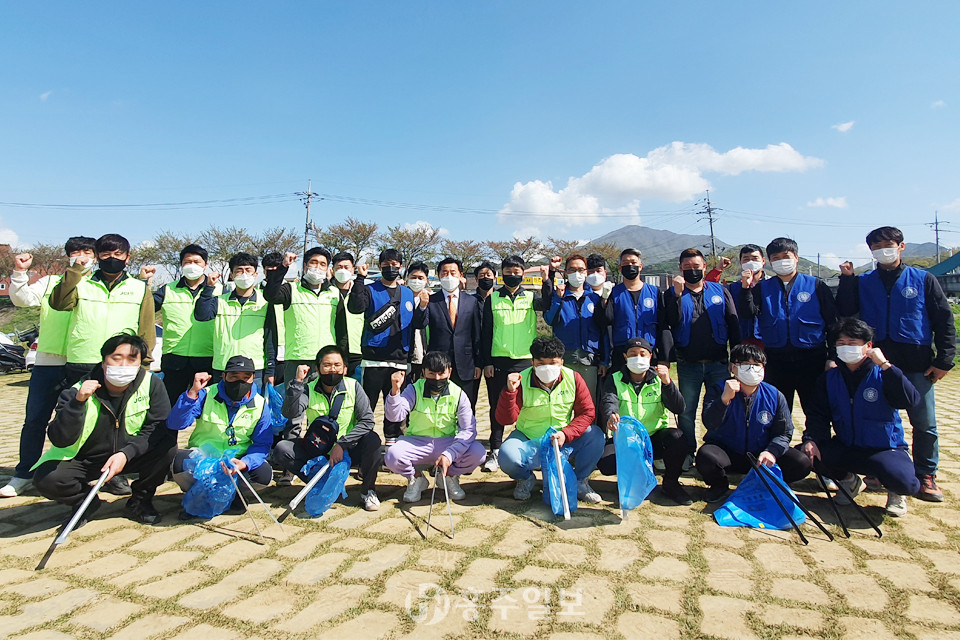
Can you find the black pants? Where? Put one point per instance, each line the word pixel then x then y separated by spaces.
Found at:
pixel 796 374
pixel 376 383
pixel 495 387
pixel 668 445
pixel 469 387
pixel 713 463
pixel 893 467
pixel 66 481
pixel 75 372
pixel 291 455
pixel 179 372
pixel 261 475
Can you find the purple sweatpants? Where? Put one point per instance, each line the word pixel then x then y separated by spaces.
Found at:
pixel 410 451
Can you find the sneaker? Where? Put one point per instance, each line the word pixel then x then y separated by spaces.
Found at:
pixel 390 441
pixel 286 479
pixel 523 488
pixel 370 500
pixel 929 490
pixel 142 510
pixel 491 465
pixel 873 484
pixel 831 485
pixel 717 493
pixel 15 487
pixel 853 484
pixel 415 486
pixel 896 504
pixel 87 516
pixel 117 485
pixel 454 489
pixel 586 493
pixel 659 466
pixel 676 492
pixel 687 463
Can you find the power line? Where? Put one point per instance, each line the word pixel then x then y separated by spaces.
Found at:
pixel 708 212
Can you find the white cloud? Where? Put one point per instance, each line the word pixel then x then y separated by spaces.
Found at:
pixel 45 95
pixel 953 206
pixel 672 173
pixel 938 104
pixel 10 237
pixel 843 127
pixel 421 224
pixel 838 203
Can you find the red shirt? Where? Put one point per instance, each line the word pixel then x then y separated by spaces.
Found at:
pixel 510 403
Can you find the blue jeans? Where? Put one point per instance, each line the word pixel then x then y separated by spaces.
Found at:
pixel 518 459
pixel 45 387
pixel 691 377
pixel 923 419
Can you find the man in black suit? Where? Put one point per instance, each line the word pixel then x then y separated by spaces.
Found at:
pixel 453 321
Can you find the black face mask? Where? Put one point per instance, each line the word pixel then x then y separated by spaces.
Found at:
pixel 485 284
pixel 330 379
pixel 630 271
pixel 389 274
pixel 432 387
pixel 112 265
pixel 236 390
pixel 512 282
pixel 693 276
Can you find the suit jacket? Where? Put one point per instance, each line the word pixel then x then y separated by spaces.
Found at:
pixel 461 344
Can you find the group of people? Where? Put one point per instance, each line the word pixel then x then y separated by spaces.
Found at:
pixel 340 341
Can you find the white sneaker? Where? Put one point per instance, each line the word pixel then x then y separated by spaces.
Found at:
pixel 15 487
pixel 491 465
pixel 524 487
pixel 370 500
pixel 853 484
pixel 831 485
pixel 586 493
pixel 415 486
pixel 453 487
pixel 896 504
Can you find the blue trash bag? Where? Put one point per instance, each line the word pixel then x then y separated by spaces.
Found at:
pixel 751 505
pixel 212 490
pixel 635 476
pixel 274 397
pixel 551 475
pixel 329 488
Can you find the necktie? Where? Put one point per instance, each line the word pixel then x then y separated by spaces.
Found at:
pixel 452 306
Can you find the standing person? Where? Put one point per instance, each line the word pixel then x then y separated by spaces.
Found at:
pixel 344 273
pixel 187 343
pixel 486 276
pixel 105 304
pixel 859 400
pixel 442 429
pixel 418 279
pixel 390 313
pixel 108 421
pixel 508 327
pixel 751 261
pixel 635 310
pixel 597 275
pixel 704 320
pixel 452 321
pixel 793 312
pixel 576 316
pixel 908 311
pixel 48 373
pixel 243 322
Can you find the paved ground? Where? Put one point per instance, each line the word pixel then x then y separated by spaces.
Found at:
pixel 510 572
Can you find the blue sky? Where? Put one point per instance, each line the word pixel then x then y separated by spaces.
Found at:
pixel 487 107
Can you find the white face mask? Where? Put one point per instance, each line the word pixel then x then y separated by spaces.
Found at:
pixel 245 280
pixel 416 285
pixel 315 276
pixel 638 364
pixel 450 283
pixel 575 279
pixel 887 255
pixel 596 279
pixel 547 373
pixel 850 353
pixel 87 265
pixel 750 374
pixel 751 265
pixel 119 375
pixel 192 271
pixel 784 267
pixel 343 275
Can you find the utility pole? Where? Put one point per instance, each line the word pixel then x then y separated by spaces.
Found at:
pixel 305 198
pixel 818 264
pixel 708 212
pixel 936 231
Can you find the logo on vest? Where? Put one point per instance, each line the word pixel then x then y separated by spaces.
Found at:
pixel 909 293
pixel 648 303
pixel 764 417
pixel 589 307
pixel 871 394
pixel 409 306
pixel 716 299
pixel 803 296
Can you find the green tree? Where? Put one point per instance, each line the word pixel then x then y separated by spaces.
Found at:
pixel 357 237
pixel 417 242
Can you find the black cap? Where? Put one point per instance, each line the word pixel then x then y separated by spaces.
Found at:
pixel 639 342
pixel 240 364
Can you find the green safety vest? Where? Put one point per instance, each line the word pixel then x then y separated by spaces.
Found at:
pixel 543 410
pixel 309 322
pixel 100 314
pixel 647 407
pixel 211 426
pixel 434 417
pixel 514 325
pixel 133 414
pixel 238 330
pixel 318 405
pixel 54 325
pixel 354 327
pixel 182 334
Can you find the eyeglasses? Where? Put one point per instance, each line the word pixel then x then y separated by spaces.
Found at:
pixel 231 436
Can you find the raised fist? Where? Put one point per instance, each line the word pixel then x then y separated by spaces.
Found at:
pixel 302 372
pixel 555 263
pixel 730 388
pixel 725 262
pixel 87 389
pixel 876 355
pixel 424 297
pixel 396 381
pixel 213 278
pixel 846 268
pixel 200 380
pixel 663 372
pixel 362 269
pixel 147 272
pixel 289 259
pixel 513 381
pixel 747 279
pixel 22 261
pixel 678 283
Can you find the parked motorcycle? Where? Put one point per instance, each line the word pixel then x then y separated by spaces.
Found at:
pixel 12 356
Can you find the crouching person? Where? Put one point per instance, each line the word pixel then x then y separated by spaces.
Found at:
pixel 646 393
pixel 540 397
pixel 859 400
pixel 746 415
pixel 336 402
pixel 442 430
pixel 228 416
pixel 112 419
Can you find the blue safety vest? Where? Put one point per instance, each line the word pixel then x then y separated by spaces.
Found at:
pixel 634 320
pixel 574 323
pixel 866 420
pixel 379 298
pixel 715 305
pixel 749 327
pixel 901 314
pixel 739 435
pixel 797 320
